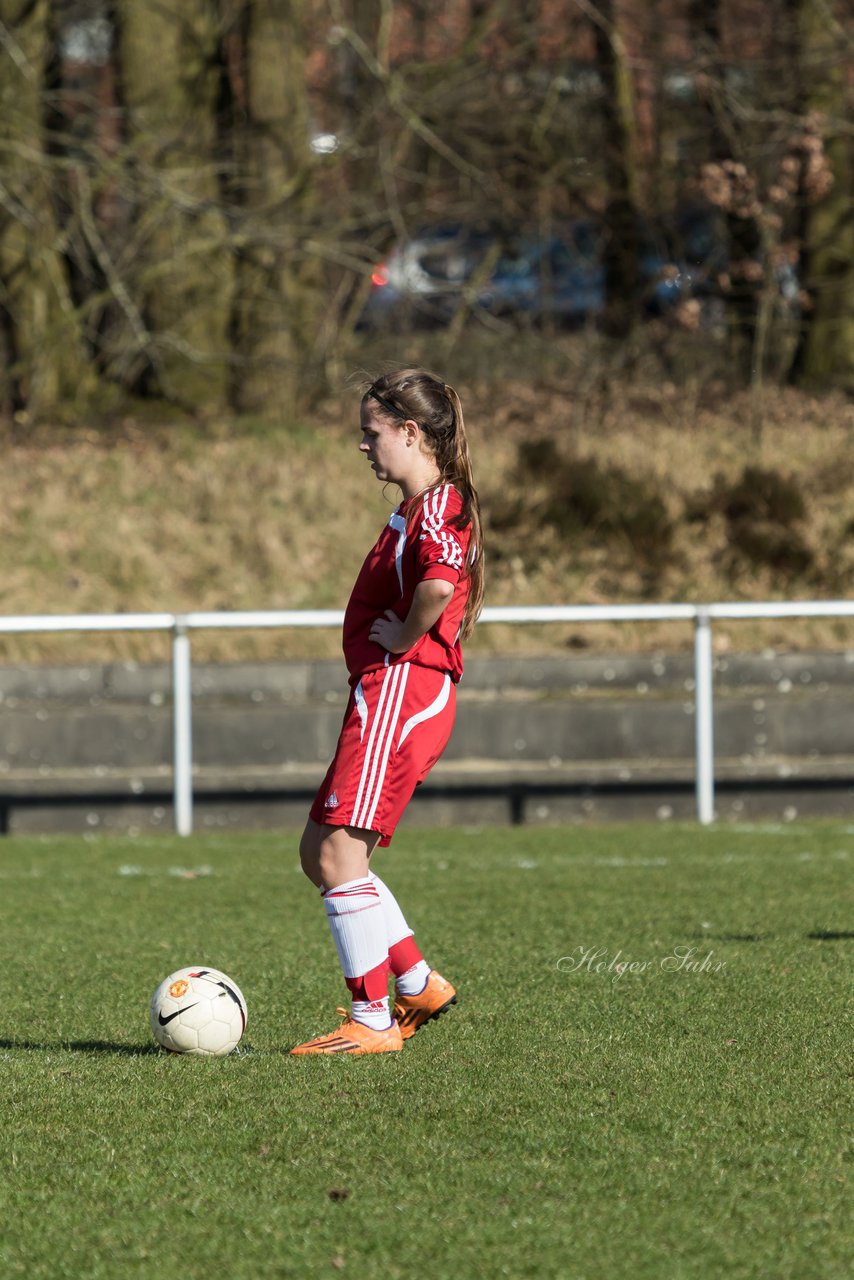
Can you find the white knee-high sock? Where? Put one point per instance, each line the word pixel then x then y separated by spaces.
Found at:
pixel 355 914
pixel 408 965
pixel 395 921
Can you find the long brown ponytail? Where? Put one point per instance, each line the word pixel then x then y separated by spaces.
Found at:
pixel 435 406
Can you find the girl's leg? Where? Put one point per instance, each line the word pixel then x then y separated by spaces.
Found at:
pixel 368 778
pixel 336 860
pixel 420 992
pixel 331 856
pixel 406 962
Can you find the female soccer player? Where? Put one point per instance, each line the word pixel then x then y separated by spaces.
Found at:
pixel 418 593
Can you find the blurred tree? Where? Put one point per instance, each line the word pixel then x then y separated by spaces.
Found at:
pixel 204 199
pixel 622 274
pixel 362 176
pixel 277 302
pixel 724 146
pixel 179 271
pixel 43 369
pixel 825 353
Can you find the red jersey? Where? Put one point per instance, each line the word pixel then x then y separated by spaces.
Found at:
pixel 415 545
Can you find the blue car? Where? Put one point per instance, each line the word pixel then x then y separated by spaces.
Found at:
pixel 562 277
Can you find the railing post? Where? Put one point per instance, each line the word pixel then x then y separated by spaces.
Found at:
pixel 182 729
pixel 704 716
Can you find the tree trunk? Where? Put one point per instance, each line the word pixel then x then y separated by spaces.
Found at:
pixel 360 104
pixel 179 276
pixel 622 276
pixel 825 354
pixel 43 367
pixel 742 299
pixel 276 301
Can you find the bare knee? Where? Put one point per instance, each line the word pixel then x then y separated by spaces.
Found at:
pixel 333 861
pixel 309 852
pixel 337 855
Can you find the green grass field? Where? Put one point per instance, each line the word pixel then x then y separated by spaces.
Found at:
pixel 680 1118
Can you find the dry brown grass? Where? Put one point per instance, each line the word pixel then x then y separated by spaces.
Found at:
pixel 217 517
pixel 680 439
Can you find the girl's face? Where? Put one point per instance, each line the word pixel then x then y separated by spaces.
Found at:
pixel 384 444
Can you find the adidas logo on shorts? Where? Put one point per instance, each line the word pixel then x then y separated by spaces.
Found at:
pixel 331 801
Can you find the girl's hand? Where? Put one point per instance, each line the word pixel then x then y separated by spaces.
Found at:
pixel 387 631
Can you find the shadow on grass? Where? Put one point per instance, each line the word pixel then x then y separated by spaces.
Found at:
pixel 818 935
pixel 82 1046
pixel 732 937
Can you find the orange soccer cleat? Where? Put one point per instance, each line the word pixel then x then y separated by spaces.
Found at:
pixel 412 1012
pixel 353 1037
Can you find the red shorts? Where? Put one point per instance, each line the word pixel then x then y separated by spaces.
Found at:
pixel 397 724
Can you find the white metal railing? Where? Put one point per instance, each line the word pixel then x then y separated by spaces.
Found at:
pixel 181 624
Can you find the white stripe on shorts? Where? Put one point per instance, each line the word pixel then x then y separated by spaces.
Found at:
pixel 438 704
pixel 371 736
pixel 379 744
pixel 389 738
pixel 362 708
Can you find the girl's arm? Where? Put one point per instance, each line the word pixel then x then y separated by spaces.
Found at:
pixel 428 604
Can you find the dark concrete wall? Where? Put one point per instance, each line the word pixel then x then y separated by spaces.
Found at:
pixel 539 739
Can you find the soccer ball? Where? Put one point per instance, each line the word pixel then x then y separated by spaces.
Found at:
pixel 198 1011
